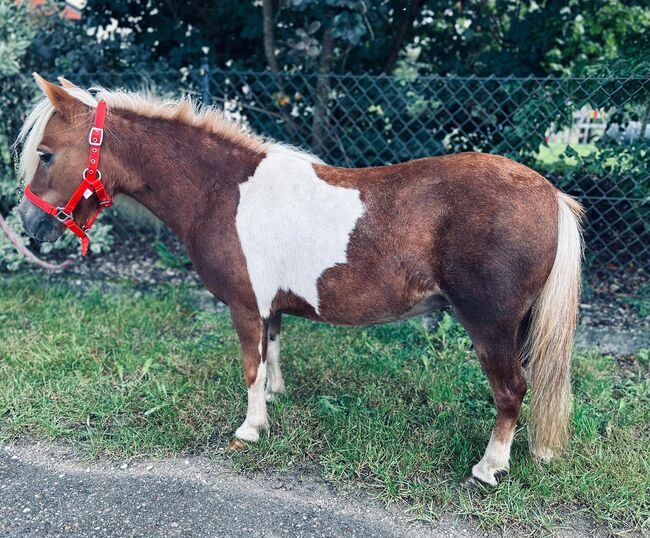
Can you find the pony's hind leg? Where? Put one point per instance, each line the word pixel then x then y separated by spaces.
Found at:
pixel 274 380
pixel 499 358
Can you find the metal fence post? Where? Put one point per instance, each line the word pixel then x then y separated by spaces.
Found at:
pixel 206 96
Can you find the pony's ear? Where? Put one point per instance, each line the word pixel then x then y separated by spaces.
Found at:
pixel 66 83
pixel 64 103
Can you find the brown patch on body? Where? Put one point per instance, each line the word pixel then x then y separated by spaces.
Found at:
pixel 462 229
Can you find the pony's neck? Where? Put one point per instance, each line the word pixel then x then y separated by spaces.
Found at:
pixel 181 173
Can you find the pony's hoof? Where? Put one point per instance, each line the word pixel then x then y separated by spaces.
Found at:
pixel 472 482
pixel 236 445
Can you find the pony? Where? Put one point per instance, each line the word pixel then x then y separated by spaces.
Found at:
pixel 273 230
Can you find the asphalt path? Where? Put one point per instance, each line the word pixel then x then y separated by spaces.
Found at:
pixel 47 490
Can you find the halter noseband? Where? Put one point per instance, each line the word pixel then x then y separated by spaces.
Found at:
pixel 91 184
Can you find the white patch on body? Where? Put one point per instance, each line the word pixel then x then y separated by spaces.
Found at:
pixel 495 459
pixel 292 226
pixel 274 381
pixel 256 419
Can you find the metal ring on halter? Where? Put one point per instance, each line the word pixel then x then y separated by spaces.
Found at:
pixel 85 174
pixel 62 215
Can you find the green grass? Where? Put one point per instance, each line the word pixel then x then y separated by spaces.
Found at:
pixel 398 409
pixel 548 156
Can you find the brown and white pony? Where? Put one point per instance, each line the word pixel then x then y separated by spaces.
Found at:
pixel 272 230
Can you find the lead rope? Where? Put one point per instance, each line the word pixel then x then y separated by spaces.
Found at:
pixel 28 254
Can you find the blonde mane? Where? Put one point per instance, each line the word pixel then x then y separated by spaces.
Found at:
pixel 146 104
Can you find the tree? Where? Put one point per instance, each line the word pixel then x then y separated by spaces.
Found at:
pixel 525 37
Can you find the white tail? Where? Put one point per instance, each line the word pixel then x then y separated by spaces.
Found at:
pixel 550 338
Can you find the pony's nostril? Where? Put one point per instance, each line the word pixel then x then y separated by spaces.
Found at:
pixel 41 229
pixel 39 226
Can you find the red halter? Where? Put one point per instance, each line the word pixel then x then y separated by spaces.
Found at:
pixel 91 183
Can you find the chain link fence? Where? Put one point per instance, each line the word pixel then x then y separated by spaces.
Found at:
pixel 589 136
pixel 364 121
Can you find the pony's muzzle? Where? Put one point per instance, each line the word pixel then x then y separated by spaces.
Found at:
pixel 39 225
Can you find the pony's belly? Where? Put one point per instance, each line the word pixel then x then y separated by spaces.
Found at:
pixel 366 313
pixel 424 306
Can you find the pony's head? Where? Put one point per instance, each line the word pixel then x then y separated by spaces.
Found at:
pixel 54 155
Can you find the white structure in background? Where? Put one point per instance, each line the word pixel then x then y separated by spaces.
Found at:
pixel 589 125
pixel 625 134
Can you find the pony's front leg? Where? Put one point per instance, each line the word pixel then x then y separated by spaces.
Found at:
pixel 252 331
pixel 274 382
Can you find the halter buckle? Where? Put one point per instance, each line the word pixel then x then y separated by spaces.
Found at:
pixel 96 136
pixel 62 215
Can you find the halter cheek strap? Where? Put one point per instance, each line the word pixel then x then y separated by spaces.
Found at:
pixel 91 183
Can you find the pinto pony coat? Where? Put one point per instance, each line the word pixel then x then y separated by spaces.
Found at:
pixel 273 230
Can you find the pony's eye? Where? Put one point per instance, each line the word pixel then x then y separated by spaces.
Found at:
pixel 44 157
